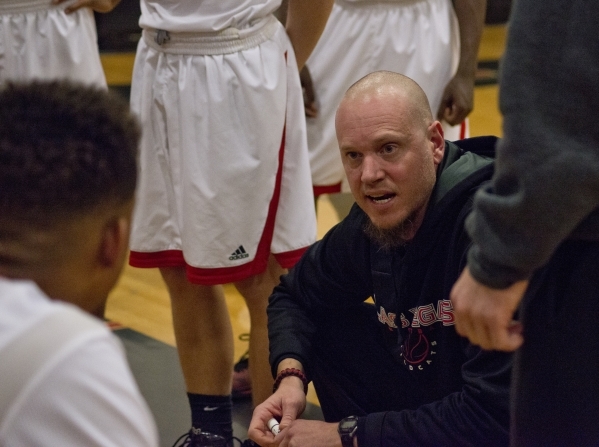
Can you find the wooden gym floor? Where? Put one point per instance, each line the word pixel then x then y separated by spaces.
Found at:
pixel 140 300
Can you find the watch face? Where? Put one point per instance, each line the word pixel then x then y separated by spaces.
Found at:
pixel 347 424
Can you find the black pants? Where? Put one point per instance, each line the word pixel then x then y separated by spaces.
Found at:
pixel 555 387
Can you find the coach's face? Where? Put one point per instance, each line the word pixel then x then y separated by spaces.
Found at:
pixel 390 155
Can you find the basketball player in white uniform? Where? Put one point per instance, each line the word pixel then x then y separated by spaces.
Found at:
pixel 225 192
pixel 45 40
pixel 434 42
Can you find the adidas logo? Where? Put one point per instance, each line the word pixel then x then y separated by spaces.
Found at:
pixel 238 254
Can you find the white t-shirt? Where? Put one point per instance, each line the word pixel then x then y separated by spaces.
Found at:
pixel 84 395
pixel 200 16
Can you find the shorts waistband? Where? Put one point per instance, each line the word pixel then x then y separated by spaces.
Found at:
pixel 23 6
pixel 230 40
pixel 374 2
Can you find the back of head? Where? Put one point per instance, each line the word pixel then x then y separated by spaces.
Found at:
pixel 65 149
pixel 68 167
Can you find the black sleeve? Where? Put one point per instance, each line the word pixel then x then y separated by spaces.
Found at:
pixel 333 273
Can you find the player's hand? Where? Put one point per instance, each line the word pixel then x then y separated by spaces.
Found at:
pixel 96 5
pixel 457 100
pixel 308 89
pixel 286 405
pixel 485 315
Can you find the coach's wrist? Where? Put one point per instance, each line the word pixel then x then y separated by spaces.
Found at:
pixel 290 372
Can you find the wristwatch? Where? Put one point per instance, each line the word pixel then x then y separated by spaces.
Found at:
pixel 347 430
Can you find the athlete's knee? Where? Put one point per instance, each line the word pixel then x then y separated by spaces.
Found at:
pixel 180 287
pixel 174 277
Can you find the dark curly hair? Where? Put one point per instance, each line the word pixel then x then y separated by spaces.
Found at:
pixel 65 148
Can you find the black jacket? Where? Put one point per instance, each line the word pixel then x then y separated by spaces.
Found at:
pixel 464 390
pixel 546 186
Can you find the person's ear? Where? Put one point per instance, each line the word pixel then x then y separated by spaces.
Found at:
pixel 115 241
pixel 437 139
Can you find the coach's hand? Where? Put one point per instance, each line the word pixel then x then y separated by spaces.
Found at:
pixel 285 405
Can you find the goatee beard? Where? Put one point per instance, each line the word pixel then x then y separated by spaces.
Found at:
pixel 391 238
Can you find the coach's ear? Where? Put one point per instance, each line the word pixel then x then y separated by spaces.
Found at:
pixel 437 140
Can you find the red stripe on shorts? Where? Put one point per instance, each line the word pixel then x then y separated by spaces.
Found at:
pixel 326 189
pixel 289 258
pixel 463 128
pixel 166 258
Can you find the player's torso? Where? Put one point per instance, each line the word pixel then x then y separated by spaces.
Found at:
pixel 203 15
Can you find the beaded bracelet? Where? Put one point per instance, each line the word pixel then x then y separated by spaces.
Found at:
pixel 290 372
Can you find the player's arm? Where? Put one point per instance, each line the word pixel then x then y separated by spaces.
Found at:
pixel 96 5
pixel 305 22
pixel 305 76
pixel 458 97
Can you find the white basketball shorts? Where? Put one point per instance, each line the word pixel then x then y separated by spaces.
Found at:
pixel 224 169
pixel 38 40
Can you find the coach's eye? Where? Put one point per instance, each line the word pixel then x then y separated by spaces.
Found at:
pixel 388 149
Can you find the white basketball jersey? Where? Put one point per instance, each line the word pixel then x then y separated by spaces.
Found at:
pixel 199 16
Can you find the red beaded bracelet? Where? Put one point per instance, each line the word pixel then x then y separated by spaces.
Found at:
pixel 290 372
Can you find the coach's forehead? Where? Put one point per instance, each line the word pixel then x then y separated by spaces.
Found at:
pixel 383 85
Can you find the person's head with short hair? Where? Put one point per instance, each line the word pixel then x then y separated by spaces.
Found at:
pixel 390 147
pixel 68 171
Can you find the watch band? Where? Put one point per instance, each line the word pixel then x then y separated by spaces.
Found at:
pixel 347 430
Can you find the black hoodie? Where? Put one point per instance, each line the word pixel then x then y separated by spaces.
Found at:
pixel 464 390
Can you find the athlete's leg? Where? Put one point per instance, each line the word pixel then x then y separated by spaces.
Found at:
pixel 205 346
pixel 256 290
pixel 203 333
